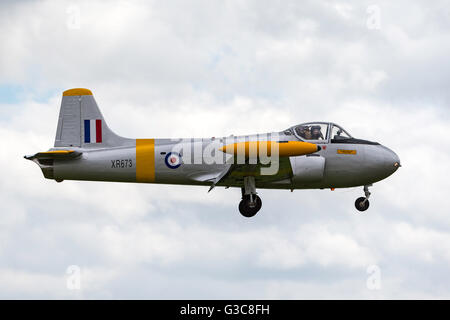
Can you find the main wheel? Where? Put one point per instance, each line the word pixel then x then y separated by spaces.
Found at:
pixel 362 205
pixel 247 208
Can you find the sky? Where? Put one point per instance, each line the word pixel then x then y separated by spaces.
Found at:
pixel 167 69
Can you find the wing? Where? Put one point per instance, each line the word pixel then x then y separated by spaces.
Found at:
pixel 236 173
pixel 234 176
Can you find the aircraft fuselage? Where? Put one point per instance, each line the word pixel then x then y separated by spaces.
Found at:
pixel 346 165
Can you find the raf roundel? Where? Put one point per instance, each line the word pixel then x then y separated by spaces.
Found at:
pixel 173 160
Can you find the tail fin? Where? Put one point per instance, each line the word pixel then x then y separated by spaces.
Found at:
pixel 81 123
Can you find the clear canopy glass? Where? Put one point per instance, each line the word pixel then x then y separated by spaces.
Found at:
pixel 319 131
pixel 337 133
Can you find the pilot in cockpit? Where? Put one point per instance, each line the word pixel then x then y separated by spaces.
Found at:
pixel 316 133
pixel 304 132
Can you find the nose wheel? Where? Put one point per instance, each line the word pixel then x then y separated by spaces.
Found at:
pixel 250 203
pixel 362 203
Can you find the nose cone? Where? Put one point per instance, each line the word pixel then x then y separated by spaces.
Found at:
pixel 391 161
pixel 397 163
pixel 380 162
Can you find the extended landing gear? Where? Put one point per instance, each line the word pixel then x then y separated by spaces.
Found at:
pixel 248 207
pixel 250 203
pixel 362 203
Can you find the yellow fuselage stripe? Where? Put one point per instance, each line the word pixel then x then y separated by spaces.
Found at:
pixel 145 160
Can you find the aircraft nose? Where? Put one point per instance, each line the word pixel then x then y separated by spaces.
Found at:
pixel 381 162
pixel 397 163
pixel 391 159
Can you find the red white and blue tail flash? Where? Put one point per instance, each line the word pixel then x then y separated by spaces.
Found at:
pixel 93 131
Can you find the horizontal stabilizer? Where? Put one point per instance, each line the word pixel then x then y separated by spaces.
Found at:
pixel 55 154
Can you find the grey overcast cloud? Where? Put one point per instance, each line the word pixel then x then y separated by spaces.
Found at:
pixel 167 69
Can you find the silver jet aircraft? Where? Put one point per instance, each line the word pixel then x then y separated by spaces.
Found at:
pixel 313 155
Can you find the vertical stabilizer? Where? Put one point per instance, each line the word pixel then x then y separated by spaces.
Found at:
pixel 81 123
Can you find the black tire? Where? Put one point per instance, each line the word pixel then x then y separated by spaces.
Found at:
pixel 360 205
pixel 246 209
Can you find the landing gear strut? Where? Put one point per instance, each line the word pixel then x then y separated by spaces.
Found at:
pixel 250 203
pixel 362 203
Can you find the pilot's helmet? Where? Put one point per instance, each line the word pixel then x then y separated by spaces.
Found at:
pixel 314 128
pixel 303 128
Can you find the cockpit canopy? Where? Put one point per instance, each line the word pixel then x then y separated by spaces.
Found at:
pixel 319 132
